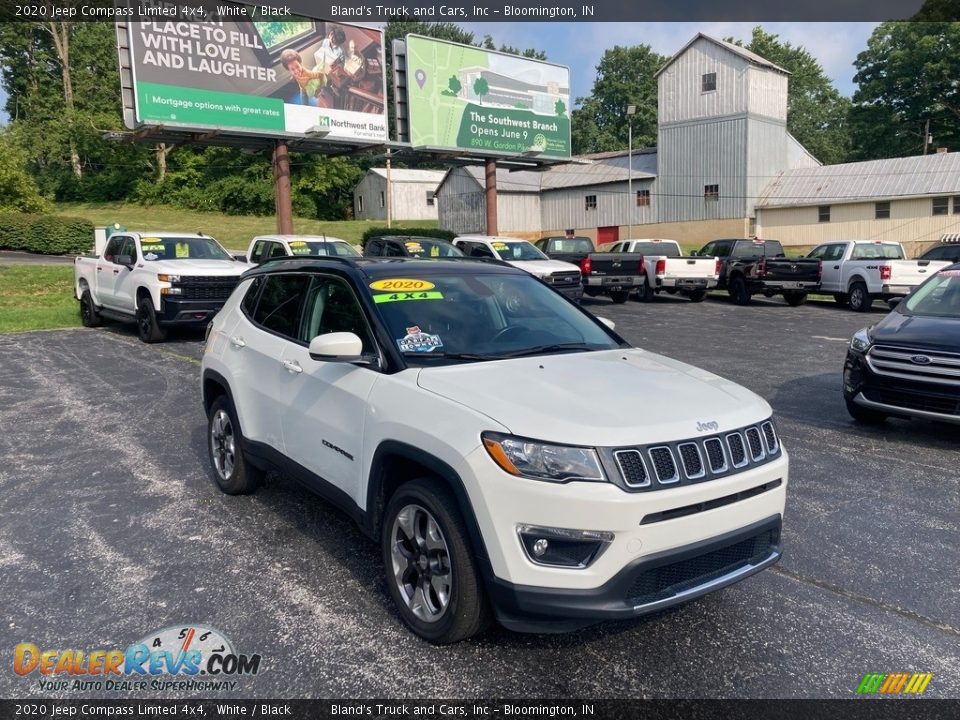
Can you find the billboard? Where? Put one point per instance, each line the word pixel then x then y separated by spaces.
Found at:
pixel 259 76
pixel 462 97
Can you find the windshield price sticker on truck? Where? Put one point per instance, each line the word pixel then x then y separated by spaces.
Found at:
pixel 398 284
pixel 398 297
pixel 414 247
pixel 152 247
pixel 500 246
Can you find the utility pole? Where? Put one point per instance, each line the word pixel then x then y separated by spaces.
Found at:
pixel 631 200
pixel 389 200
pixel 490 193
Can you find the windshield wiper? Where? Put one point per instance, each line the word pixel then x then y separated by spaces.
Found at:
pixel 542 349
pixel 451 356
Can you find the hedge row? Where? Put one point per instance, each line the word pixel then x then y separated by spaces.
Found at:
pixel 45 234
pixel 405 232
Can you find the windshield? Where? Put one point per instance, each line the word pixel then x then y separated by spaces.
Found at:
pixel 937 297
pixel 570 245
pixel 487 316
pixel 519 250
pixel 668 249
pixel 183 248
pixel 422 248
pixel 323 248
pixel 877 251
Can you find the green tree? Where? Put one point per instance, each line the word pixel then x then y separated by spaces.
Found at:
pixel 625 76
pixel 18 190
pixel 816 111
pixel 481 87
pixel 531 53
pixel 907 77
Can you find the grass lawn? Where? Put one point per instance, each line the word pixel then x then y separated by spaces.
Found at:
pixel 233 231
pixel 37 297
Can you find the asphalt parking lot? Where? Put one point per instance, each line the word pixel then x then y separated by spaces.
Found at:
pixel 111 527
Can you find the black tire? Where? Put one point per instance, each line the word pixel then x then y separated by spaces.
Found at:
pixel 795 299
pixel 619 296
pixel 739 291
pixel 148 329
pixel 841 298
pixel 466 611
pixel 864 415
pixel 233 474
pixel 89 316
pixel 860 300
pixel 697 295
pixel 646 293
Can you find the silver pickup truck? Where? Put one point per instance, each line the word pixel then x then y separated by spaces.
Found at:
pixel 668 269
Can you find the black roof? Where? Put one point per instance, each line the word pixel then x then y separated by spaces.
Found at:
pixel 376 267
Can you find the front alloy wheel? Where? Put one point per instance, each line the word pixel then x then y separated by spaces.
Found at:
pixel 223 446
pixel 421 563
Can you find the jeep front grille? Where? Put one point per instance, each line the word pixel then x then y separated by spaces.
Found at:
pixel 664 465
pixel 632 468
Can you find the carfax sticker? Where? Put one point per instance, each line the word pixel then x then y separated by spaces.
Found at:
pixel 398 284
pixel 418 341
pixel 399 297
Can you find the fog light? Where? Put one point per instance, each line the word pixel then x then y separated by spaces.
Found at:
pixel 563 547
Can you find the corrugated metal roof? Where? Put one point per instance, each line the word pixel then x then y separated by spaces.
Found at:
pixel 747 55
pixel 405 175
pixel 519 181
pixel 566 176
pixel 920 175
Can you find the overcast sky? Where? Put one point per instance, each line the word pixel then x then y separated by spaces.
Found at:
pixel 581 45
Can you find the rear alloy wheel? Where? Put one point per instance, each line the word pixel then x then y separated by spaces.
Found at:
pixel 619 296
pixel 697 295
pixel 89 316
pixel 864 415
pixel 431 574
pixel 795 299
pixel 860 300
pixel 148 329
pixel 739 291
pixel 234 475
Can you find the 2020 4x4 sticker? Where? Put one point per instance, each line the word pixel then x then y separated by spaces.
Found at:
pixel 399 297
pixel 418 341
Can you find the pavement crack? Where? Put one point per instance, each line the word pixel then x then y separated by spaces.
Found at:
pixel 857 597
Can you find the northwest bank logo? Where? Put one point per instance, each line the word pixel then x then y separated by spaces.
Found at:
pixel 894 683
pixel 174 651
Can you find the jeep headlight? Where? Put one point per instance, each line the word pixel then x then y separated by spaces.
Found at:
pixel 543 461
pixel 860 342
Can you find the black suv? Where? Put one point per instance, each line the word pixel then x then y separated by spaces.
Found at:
pixel 424 248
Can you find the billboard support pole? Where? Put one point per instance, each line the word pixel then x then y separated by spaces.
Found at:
pixel 281 182
pixel 491 195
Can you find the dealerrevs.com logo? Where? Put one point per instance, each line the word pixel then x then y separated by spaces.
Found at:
pixel 189 657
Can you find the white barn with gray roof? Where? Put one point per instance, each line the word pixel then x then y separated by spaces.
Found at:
pixel 412 194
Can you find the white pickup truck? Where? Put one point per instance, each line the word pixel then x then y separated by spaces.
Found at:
pixel 857 272
pixel 155 279
pixel 667 268
pixel 267 247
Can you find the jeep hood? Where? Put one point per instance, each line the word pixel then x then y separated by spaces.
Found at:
pixel 610 397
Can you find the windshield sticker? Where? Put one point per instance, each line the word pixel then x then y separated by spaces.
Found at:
pixel 397 284
pixel 183 250
pixel 500 246
pixel 417 341
pixel 435 251
pixel 397 297
pixel 153 247
pixel 151 256
pixel 299 250
pixel 150 239
pixel 297 243
pixel 414 246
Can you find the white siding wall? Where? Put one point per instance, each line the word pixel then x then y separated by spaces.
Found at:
pixel 767 93
pixel 679 94
pixel 460 204
pixel 566 208
pixel 767 156
pixel 911 222
pixel 697 154
pixel 410 201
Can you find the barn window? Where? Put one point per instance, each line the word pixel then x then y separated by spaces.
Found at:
pixel 383 199
pixel 359 203
pixel 711 192
pixel 956 205
pixel 941 206
pixel 881 211
pixel 430 197
pixel 590 202
pixel 643 198
pixel 708 82
pixel 823 213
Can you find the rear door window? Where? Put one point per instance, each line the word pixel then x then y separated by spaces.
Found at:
pixel 281 302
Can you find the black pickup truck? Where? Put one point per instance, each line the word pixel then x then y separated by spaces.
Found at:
pixel 760 267
pixel 603 273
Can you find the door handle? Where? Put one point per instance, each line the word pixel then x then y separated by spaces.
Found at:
pixel 292 366
pixel 99 269
pixel 836 267
pixel 116 272
pixel 237 342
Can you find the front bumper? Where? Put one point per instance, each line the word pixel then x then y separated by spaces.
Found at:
pixel 646 585
pixel 176 311
pixel 898 396
pixel 573 292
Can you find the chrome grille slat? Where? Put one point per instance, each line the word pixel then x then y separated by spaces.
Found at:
pixel 715 455
pixel 664 465
pixel 770 437
pixel 692 461
pixel 632 468
pixel 943 368
pixel 755 443
pixel 738 449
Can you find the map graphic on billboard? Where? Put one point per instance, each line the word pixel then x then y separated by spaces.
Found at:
pixel 465 98
pixel 261 77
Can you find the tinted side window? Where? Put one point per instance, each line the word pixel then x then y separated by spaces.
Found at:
pixel 374 247
pixel 249 303
pixel 129 248
pixel 280 303
pixel 819 253
pixel 332 307
pixel 113 247
pixel 276 250
pixel 258 248
pixel 392 249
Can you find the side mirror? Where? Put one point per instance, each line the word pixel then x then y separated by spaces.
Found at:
pixel 694 253
pixel 608 322
pixel 240 257
pixel 124 260
pixel 893 302
pixel 337 347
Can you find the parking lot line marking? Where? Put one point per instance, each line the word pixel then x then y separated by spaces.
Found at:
pixel 826 337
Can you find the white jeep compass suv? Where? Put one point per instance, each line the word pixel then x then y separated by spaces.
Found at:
pixel 491 435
